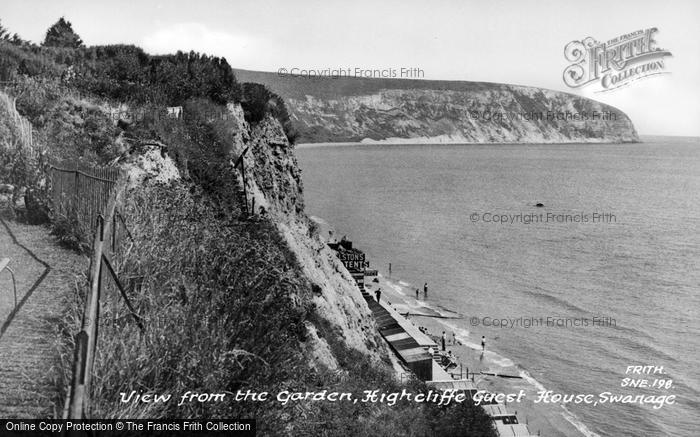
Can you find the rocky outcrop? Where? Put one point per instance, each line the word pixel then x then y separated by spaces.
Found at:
pixel 275 176
pixel 151 162
pixel 371 110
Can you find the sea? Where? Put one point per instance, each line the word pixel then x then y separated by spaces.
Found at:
pixel 604 275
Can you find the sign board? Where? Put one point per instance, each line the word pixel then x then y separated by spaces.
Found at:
pixel 353 261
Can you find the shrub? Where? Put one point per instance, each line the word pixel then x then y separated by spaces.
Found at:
pixel 22 58
pixel 259 101
pixel 70 233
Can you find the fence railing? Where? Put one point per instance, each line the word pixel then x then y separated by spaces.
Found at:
pixel 81 192
pixel 101 188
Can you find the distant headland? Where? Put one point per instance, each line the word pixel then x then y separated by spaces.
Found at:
pixel 348 109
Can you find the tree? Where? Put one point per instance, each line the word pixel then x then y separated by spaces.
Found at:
pixel 4 33
pixel 61 34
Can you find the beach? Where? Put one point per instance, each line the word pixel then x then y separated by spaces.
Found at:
pixel 542 419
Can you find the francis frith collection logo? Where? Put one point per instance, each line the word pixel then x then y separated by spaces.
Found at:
pixel 615 63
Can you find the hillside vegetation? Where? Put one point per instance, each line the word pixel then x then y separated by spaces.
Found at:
pixel 225 301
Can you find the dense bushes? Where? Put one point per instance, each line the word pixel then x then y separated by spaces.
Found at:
pixel 21 58
pixel 259 101
pixel 126 73
pixel 74 127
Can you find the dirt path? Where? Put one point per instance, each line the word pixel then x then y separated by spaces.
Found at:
pixel 45 274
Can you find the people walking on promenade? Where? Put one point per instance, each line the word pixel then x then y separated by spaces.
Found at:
pixel 444 340
pixel 483 343
pixel 425 290
pixel 378 294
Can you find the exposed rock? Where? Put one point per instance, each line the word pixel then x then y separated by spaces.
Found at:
pixel 150 163
pixel 273 176
pixel 319 350
pixel 273 179
pixel 423 111
pixel 506 115
pixel 241 127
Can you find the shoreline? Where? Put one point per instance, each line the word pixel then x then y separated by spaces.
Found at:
pixel 548 419
pixel 436 142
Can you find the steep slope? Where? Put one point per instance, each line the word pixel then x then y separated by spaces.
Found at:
pixel 274 181
pixel 414 111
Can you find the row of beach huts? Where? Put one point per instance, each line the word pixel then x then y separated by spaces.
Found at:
pixel 417 350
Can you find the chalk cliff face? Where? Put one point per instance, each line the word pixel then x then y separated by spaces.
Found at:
pixel 338 110
pixel 274 180
pixel 505 114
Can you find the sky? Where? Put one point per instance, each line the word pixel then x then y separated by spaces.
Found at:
pixel 508 41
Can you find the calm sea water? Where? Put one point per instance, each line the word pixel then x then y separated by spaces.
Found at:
pixel 425 209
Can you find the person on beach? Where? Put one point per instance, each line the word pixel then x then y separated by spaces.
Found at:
pixel 451 360
pixel 425 290
pixel 483 343
pixel 454 340
pixel 444 340
pixel 416 294
pixel 378 294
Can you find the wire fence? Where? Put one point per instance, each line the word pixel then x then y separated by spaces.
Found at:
pixel 108 230
pixel 81 192
pixel 91 196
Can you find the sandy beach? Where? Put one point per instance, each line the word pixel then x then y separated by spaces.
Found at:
pixel 542 419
